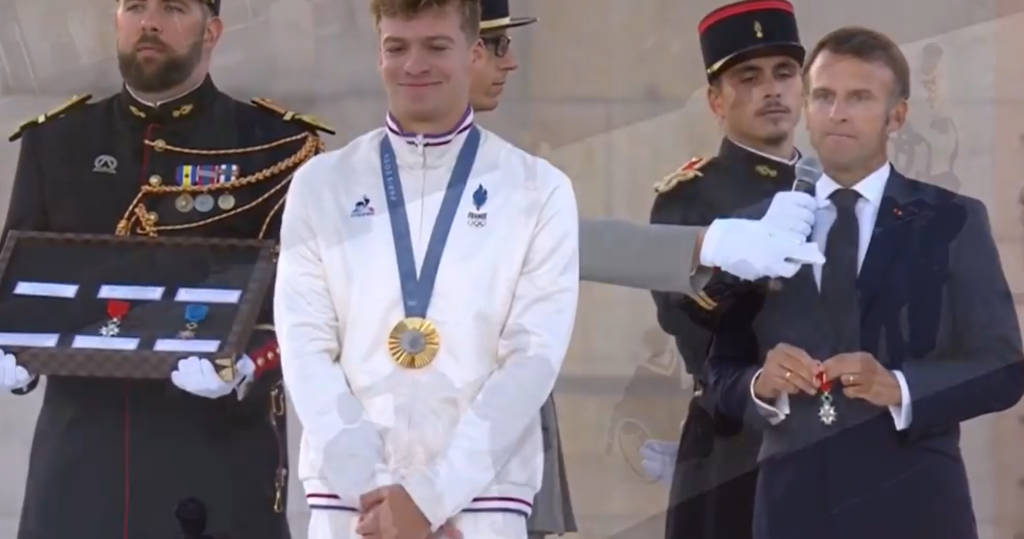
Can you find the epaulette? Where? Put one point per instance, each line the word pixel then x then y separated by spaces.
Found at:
pixel 75 101
pixel 685 173
pixel 306 120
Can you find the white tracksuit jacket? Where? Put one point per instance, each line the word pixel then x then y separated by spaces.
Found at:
pixel 464 432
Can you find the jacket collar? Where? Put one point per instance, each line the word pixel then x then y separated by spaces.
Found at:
pixel 758 163
pixel 429 139
pixel 427 150
pixel 190 104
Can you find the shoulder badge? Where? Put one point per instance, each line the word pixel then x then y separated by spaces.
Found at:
pixel 289 116
pixel 74 102
pixel 685 173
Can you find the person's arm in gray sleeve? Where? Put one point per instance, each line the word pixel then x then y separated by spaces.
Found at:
pixel 672 258
pixel 650 257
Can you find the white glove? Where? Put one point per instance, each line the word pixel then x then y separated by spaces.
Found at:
pixel 197 376
pixel 750 250
pixel 791 214
pixel 659 460
pixel 12 376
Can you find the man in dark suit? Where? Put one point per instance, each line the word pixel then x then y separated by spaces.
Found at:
pixel 860 371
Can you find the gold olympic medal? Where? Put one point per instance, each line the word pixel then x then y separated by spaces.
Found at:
pixel 184 203
pixel 204 202
pixel 414 343
pixel 226 201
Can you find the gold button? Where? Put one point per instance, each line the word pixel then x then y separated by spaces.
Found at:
pixel 259 362
pixel 155 180
pixel 153 217
pixel 159 145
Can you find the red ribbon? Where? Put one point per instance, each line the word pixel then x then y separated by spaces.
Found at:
pixel 824 384
pixel 116 309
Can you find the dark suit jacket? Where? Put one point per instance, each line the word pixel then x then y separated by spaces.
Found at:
pixel 935 305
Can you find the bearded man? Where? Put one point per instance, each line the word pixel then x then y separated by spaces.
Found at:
pixel 169 155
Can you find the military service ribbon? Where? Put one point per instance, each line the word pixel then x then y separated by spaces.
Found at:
pixel 205 175
pixel 414 342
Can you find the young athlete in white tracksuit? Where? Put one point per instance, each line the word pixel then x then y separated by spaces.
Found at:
pixel 462 433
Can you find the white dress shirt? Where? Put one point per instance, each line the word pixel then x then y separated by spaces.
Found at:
pixel 871 190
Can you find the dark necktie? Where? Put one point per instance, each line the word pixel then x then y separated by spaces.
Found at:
pixel 839 275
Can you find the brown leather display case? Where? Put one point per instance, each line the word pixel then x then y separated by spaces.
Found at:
pixel 59 294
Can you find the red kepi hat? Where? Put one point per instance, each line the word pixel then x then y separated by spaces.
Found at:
pixel 737 32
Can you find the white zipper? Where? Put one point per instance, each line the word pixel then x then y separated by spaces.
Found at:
pixel 422 146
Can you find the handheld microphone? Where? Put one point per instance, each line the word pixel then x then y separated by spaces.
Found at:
pixel 808 172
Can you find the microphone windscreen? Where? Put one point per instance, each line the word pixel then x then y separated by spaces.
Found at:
pixel 808 169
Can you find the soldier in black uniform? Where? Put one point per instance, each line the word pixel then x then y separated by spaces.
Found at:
pixel 753 57
pixel 170 155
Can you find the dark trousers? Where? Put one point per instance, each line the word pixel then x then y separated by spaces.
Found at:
pixel 715 480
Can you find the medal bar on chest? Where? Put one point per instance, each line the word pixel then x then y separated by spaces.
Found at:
pixel 198 183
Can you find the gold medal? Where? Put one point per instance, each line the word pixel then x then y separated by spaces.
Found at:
pixel 414 343
pixel 226 201
pixel 184 203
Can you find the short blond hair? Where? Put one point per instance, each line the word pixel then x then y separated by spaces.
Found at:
pixel 469 10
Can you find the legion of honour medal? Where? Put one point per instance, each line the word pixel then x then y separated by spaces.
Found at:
pixel 415 341
pixel 827 411
pixel 116 310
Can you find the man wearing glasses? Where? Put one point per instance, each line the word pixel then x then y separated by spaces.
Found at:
pixel 552 508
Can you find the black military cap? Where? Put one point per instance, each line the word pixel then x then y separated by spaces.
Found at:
pixel 749 29
pixel 214 5
pixel 496 15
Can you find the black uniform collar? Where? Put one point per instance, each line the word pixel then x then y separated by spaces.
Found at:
pixel 179 108
pixel 760 163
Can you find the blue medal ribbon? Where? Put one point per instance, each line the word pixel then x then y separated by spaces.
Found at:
pixel 195 313
pixel 418 290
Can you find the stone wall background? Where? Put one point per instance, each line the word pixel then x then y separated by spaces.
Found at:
pixel 611 91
